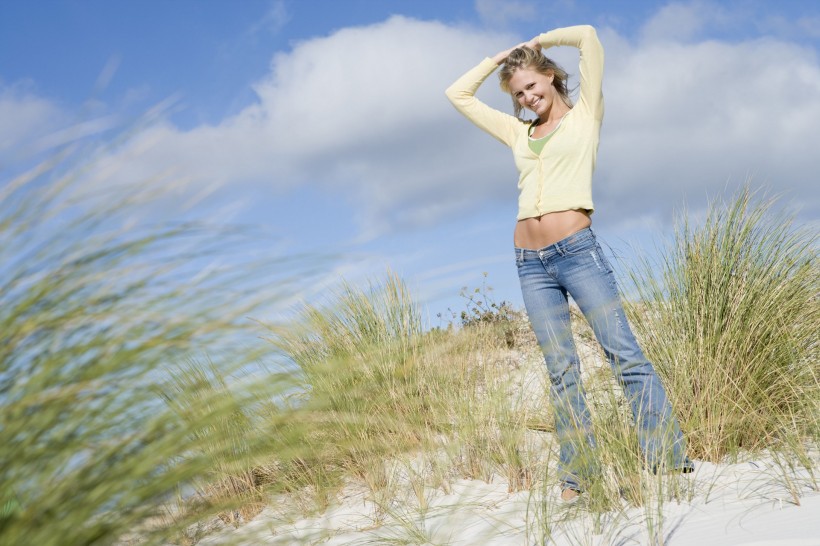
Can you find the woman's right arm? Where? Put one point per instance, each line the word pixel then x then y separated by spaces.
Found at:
pixel 591 66
pixel 461 93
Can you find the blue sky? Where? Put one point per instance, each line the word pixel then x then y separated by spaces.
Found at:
pixel 325 120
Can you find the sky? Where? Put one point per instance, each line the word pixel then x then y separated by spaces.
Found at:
pixel 325 121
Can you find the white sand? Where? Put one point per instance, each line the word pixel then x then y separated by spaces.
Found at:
pixel 729 504
pixel 738 504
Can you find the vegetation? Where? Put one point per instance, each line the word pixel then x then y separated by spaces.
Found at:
pixel 94 311
pixel 480 308
pixel 376 386
pixel 730 318
pixel 129 413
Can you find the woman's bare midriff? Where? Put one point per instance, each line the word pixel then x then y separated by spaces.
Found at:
pixel 535 233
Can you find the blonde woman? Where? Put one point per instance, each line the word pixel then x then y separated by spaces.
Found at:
pixel 556 252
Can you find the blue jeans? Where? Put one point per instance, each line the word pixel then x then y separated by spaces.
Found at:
pixel 576 266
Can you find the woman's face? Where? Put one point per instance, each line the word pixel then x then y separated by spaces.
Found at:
pixel 532 90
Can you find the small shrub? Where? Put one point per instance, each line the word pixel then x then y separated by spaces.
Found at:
pixel 481 310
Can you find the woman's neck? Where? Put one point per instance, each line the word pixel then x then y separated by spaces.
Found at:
pixel 554 114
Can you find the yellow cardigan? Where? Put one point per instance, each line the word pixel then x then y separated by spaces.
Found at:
pixel 560 177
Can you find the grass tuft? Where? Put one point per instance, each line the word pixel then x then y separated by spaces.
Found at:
pixel 94 309
pixel 129 414
pixel 731 324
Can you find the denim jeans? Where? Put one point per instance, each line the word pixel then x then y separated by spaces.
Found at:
pixel 576 266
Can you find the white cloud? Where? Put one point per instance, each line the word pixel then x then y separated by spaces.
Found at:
pixel 689 118
pixel 273 21
pixel 361 111
pixel 810 25
pixel 33 124
pixel 502 12
pixel 677 21
pixel 361 114
pixel 783 27
pixel 27 118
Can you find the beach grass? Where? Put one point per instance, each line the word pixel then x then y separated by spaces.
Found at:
pixel 130 416
pixel 730 316
pixel 96 310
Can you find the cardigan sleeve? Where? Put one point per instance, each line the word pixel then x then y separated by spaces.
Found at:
pixel 462 94
pixel 591 66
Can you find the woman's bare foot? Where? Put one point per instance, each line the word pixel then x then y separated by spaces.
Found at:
pixel 569 494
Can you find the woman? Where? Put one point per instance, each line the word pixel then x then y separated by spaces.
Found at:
pixel 555 249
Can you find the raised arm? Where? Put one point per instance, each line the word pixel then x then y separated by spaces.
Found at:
pixel 591 66
pixel 462 94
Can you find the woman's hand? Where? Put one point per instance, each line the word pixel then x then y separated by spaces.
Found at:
pixel 535 44
pixel 501 56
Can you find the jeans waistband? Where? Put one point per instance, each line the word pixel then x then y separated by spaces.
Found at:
pixel 559 248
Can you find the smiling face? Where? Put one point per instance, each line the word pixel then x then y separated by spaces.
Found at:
pixel 533 91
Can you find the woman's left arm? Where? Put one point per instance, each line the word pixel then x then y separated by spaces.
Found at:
pixel 591 66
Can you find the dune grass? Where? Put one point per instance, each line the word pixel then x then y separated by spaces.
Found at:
pixel 376 385
pixel 129 415
pixel 704 321
pixel 730 317
pixel 95 309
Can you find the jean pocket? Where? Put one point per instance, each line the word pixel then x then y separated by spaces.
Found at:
pixel 600 260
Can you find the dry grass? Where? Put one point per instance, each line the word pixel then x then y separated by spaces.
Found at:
pixel 731 322
pixel 389 407
pixel 123 408
pixel 94 309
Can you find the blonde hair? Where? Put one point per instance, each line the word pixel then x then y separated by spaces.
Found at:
pixel 527 58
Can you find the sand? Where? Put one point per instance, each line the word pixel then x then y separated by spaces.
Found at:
pixel 730 504
pixel 755 502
